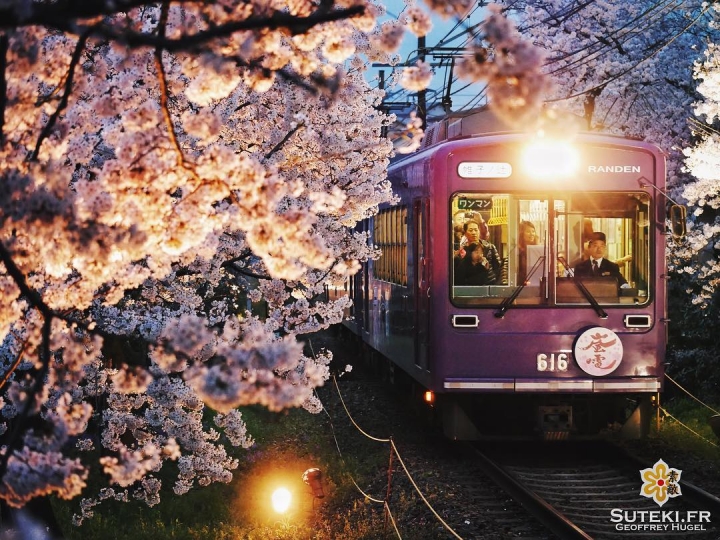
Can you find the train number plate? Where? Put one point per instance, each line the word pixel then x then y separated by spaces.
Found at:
pixel 552 362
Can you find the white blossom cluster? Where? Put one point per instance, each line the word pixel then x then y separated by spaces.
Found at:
pixel 702 245
pixel 511 66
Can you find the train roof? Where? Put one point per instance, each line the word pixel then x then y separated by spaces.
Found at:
pixel 485 122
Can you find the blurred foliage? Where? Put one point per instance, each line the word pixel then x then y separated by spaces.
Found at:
pixel 688 414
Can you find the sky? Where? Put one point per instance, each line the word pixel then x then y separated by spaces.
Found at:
pixel 447 34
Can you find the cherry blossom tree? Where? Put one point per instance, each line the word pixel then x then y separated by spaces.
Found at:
pixel 696 259
pixel 164 169
pixel 162 182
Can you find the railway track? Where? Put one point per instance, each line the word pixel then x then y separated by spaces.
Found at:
pixel 538 491
pixel 583 491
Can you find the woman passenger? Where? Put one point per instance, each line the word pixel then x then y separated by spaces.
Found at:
pixel 475 268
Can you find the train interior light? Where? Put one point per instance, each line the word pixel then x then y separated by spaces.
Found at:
pixel 549 158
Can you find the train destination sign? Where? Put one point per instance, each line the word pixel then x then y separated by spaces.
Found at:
pixel 484 169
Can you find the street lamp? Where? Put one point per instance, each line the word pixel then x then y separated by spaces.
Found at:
pixel 281 499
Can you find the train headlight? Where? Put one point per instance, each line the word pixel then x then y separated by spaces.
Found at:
pixel 547 158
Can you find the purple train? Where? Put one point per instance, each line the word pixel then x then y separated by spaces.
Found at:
pixel 479 296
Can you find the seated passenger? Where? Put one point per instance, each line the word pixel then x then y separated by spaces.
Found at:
pixel 596 264
pixel 475 268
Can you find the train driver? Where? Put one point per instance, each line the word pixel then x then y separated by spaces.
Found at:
pixel 596 265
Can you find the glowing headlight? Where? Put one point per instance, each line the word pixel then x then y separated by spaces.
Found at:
pixel 548 158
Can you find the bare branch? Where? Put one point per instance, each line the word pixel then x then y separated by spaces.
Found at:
pixel 285 139
pixel 162 81
pixel 74 61
pixel 295 25
pixel 4 45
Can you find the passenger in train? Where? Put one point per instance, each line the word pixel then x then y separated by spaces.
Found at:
pixel 471 235
pixel 474 230
pixel 527 237
pixel 475 268
pixel 597 265
pixel 457 237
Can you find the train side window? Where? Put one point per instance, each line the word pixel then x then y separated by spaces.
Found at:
pixel 623 221
pixel 390 235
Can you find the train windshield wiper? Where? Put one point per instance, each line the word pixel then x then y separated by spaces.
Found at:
pixel 505 305
pixel 584 290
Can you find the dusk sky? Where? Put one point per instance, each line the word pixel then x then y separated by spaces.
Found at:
pixel 445 33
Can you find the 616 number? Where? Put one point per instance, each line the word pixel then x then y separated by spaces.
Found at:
pixel 550 363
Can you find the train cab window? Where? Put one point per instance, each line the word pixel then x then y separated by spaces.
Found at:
pixel 538 250
pixel 603 248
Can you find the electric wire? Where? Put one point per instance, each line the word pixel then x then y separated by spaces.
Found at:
pixel 616 33
pixel 651 16
pixel 599 48
pixel 625 71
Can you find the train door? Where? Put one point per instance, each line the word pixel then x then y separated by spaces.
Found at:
pixel 422 281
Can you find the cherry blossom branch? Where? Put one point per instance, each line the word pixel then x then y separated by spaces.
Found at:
pixel 54 13
pixel 61 14
pixel 14 366
pixel 285 139
pixel 230 265
pixel 162 81
pixel 14 439
pixel 4 46
pixel 19 278
pixel 296 25
pixel 74 61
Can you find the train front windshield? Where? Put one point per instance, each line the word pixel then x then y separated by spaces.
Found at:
pixel 568 249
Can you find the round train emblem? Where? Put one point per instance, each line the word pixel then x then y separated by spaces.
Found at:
pixel 598 351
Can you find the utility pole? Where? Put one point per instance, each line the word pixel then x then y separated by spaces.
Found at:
pixel 422 105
